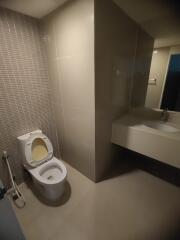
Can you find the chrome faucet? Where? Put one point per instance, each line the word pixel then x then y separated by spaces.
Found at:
pixel 164 115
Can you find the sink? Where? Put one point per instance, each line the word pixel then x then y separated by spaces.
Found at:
pixel 164 127
pixel 153 138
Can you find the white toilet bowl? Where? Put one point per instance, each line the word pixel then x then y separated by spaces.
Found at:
pixel 49 178
pixel 48 173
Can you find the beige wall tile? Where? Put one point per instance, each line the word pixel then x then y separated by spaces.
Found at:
pixel 74 28
pixel 73 80
pixel 77 81
pixel 55 84
pixel 79 140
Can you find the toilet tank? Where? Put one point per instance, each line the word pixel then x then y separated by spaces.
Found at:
pixel 22 140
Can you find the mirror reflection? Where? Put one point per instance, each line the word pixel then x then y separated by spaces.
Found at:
pixel 164 80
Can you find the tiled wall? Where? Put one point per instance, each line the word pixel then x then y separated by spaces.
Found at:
pixel 70 34
pixel 116 54
pixel 25 97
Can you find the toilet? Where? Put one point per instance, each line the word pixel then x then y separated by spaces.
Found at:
pixel 48 172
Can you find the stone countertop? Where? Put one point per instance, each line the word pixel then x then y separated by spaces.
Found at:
pixel 130 132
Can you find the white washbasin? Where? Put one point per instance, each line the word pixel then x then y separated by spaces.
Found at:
pixel 161 126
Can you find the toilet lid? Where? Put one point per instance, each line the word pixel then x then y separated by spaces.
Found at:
pixel 38 149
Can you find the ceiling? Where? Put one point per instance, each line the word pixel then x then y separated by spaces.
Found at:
pixel 158 17
pixel 34 8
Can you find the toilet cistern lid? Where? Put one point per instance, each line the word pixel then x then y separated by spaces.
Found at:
pixel 38 149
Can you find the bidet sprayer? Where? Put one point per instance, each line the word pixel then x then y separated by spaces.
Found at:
pixel 16 194
pixel 5 155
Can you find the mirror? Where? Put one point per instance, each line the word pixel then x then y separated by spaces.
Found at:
pixel 163 89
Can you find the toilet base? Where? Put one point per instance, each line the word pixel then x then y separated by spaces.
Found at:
pixel 51 193
pixel 49 179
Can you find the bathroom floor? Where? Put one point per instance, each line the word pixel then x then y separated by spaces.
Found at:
pixel 131 206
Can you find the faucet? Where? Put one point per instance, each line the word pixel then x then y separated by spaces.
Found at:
pixel 164 115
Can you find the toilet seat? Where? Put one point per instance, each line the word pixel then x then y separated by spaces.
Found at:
pixel 47 155
pixel 59 175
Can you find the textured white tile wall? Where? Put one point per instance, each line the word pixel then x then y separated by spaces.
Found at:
pixel 25 96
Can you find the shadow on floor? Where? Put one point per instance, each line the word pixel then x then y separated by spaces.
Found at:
pixel 66 196
pixel 120 168
pixel 127 161
pixel 122 164
pixel 158 169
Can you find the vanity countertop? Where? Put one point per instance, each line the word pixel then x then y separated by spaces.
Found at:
pixel 139 123
pixel 132 132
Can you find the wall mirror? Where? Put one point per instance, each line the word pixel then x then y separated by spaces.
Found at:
pixel 161 20
pixel 163 89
